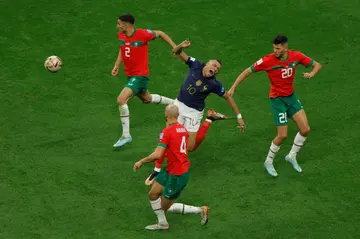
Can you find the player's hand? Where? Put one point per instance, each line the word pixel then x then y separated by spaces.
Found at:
pixel 241 124
pixel 231 91
pixel 137 166
pixel 308 75
pixel 185 44
pixel 115 71
pixel 182 45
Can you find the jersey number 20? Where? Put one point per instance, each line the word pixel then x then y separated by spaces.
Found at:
pixel 183 145
pixel 127 51
pixel 286 72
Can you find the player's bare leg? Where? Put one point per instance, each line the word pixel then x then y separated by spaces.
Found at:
pixel 148 98
pixel 156 204
pixel 274 148
pixel 122 100
pixel 195 138
pixel 301 120
pixel 188 209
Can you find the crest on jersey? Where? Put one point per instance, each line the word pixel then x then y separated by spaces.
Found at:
pixel 161 135
pixel 205 88
pixel 198 83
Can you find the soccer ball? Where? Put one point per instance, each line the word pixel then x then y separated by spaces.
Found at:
pixel 53 63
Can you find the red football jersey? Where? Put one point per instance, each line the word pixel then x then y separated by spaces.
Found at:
pixel 175 138
pixel 134 52
pixel 281 73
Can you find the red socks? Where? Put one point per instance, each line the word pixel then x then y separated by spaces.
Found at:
pixel 202 133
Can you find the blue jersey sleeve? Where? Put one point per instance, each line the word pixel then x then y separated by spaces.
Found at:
pixel 193 63
pixel 218 88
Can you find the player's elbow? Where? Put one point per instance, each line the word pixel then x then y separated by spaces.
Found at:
pixel 317 65
pixel 157 155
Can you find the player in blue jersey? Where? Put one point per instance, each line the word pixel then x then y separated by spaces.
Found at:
pixel 198 84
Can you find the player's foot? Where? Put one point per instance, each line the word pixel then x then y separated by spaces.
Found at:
pixel 294 163
pixel 157 227
pixel 122 141
pixel 149 180
pixel 204 215
pixel 213 115
pixel 270 169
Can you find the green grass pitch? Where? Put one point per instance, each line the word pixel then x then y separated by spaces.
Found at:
pixel 60 177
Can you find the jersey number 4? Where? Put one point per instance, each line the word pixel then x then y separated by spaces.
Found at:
pixel 127 51
pixel 286 72
pixel 183 145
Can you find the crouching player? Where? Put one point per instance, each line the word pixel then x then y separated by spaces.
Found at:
pixel 169 184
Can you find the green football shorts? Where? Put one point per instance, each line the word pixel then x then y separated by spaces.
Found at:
pixel 138 84
pixel 284 108
pixel 173 184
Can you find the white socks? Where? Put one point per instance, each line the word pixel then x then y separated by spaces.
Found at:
pixel 272 152
pixel 158 99
pixel 298 143
pixel 124 112
pixel 125 120
pixel 156 206
pixel 184 209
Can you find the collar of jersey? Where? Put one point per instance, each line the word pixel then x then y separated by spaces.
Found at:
pixel 287 58
pixel 131 34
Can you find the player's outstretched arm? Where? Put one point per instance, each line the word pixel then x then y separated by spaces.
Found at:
pixel 116 67
pixel 233 105
pixel 178 50
pixel 316 68
pixel 165 38
pixel 159 151
pixel 238 80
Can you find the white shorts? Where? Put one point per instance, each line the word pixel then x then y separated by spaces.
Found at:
pixel 190 118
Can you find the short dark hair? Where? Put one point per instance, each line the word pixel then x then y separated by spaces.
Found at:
pixel 280 39
pixel 127 18
pixel 219 61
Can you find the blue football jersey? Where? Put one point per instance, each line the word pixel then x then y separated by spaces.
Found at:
pixel 196 87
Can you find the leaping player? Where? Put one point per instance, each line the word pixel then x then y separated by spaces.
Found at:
pixel 199 82
pixel 134 53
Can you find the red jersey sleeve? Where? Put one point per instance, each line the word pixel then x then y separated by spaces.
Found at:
pixel 164 138
pixel 304 60
pixel 147 35
pixel 261 65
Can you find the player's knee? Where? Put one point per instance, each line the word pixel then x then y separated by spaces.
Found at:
pixel 153 195
pixel 305 131
pixel 121 101
pixel 146 101
pixel 282 137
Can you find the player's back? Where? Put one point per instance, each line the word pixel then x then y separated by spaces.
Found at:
pixel 176 150
pixel 134 52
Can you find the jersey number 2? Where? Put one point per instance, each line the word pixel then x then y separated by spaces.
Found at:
pixel 183 145
pixel 127 51
pixel 286 72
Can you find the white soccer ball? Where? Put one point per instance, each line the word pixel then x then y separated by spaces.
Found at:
pixel 53 63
